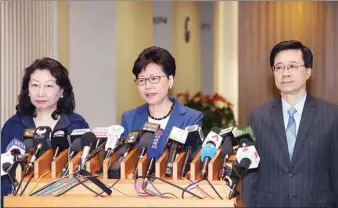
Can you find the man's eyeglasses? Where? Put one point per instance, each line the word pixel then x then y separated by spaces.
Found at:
pixel 152 80
pixel 291 67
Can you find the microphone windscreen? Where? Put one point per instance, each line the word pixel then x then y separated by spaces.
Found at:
pixel 226 147
pixel 145 139
pixel 76 146
pixel 246 141
pixel 215 129
pixel 245 163
pixel 42 136
pixel 29 144
pixel 132 137
pixel 88 139
pixel 59 139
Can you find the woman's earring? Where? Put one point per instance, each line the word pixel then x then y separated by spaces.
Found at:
pixel 62 96
pixel 170 87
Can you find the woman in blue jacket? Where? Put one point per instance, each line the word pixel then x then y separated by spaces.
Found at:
pixel 46 99
pixel 154 70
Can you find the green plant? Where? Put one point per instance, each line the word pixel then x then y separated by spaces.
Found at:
pixel 217 111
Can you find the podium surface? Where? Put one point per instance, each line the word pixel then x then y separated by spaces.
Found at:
pixel 126 196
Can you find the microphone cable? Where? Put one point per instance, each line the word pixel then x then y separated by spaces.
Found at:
pixel 162 194
pixel 36 184
pixel 174 185
pixel 198 187
pixel 29 180
pixel 49 185
pixel 15 192
pixel 196 183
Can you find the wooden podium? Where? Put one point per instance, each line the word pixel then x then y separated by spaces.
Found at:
pixel 123 191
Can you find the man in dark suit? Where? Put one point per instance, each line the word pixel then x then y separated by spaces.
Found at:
pixel 297 139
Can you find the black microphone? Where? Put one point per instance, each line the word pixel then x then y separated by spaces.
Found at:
pixel 145 137
pixel 228 142
pixel 42 135
pixel 29 146
pixel 88 141
pixel 10 170
pixel 177 137
pixel 132 139
pixel 234 174
pixel 9 160
pixel 59 142
pixel 41 141
pixel 155 150
pixel 245 136
pixel 225 154
pixel 192 145
pixel 28 134
pixel 75 147
pixel 77 133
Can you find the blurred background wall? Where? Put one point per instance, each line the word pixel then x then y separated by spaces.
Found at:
pixel 221 47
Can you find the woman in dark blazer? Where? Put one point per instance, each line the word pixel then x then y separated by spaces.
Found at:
pixel 46 99
pixel 154 71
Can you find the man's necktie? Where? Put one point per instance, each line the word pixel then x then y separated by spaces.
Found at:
pixel 291 131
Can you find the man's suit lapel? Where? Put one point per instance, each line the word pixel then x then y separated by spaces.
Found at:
pixel 308 115
pixel 278 124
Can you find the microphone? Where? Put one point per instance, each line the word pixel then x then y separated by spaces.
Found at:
pixel 76 133
pixel 143 144
pixel 177 137
pixel 29 144
pixel 59 142
pixel 14 155
pixel 36 154
pixel 155 150
pixel 16 147
pixel 208 151
pixel 114 134
pixel 40 141
pixel 225 154
pixel 213 137
pixel 209 148
pixel 229 132
pixel 148 131
pixel 28 134
pixel 88 141
pixel 75 147
pixel 101 134
pixel 245 136
pixel 13 150
pixel 193 143
pixel 42 135
pixel 112 143
pixel 228 141
pixel 132 139
pixel 248 153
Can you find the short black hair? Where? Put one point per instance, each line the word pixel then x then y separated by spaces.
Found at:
pixel 292 45
pixel 66 104
pixel 157 55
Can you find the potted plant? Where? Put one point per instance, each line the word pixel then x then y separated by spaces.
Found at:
pixel 216 109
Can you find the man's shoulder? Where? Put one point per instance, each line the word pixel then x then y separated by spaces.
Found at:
pixel 266 105
pixel 325 104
